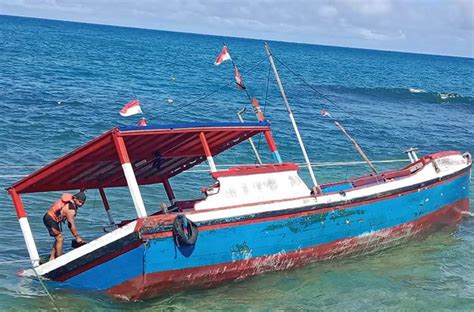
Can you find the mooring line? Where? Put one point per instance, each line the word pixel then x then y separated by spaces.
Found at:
pixel 46 289
pixel 14 261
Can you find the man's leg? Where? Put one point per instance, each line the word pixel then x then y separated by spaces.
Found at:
pixel 58 245
pixel 53 251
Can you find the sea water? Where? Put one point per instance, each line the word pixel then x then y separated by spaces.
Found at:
pixel 62 84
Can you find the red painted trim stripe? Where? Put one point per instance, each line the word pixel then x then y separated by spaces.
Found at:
pixel 271 143
pixel 205 146
pixel 290 215
pixel 17 202
pixel 84 150
pixel 121 148
pixel 193 130
pixel 257 169
pixel 152 284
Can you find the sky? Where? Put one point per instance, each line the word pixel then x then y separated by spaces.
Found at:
pixel 443 27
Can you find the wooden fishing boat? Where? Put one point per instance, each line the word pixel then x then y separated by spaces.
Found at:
pixel 253 219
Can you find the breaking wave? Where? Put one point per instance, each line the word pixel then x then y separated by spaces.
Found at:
pixel 412 93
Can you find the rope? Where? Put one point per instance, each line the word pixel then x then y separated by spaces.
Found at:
pixel 304 81
pixel 14 261
pixel 231 82
pixel 264 104
pixel 46 289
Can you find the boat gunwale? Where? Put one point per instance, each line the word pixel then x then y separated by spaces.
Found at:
pixel 143 233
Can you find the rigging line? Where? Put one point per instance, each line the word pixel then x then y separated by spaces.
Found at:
pixel 46 289
pixel 215 91
pixel 15 261
pixel 265 102
pixel 304 81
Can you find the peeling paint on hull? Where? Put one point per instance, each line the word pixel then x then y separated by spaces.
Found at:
pixel 152 284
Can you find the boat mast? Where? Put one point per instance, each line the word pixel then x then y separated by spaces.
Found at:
pixel 316 188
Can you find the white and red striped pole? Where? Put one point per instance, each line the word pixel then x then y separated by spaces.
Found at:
pixel 129 175
pixel 207 152
pixel 268 134
pixel 25 227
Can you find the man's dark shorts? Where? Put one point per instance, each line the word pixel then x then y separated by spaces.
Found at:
pixel 54 228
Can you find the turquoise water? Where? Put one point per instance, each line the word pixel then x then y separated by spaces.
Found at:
pixel 62 84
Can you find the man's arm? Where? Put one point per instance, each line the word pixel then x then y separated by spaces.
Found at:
pixel 71 225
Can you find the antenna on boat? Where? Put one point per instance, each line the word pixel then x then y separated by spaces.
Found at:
pixel 316 188
pixel 239 115
pixel 357 147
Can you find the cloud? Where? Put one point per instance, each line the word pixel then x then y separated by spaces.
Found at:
pixel 404 25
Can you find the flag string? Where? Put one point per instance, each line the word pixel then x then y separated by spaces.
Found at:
pixel 216 90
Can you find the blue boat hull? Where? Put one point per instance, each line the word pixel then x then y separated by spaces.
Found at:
pixel 151 263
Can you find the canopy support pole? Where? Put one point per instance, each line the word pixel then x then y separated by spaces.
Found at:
pixel 254 148
pixel 129 175
pixel 316 187
pixel 207 152
pixel 272 146
pixel 169 191
pixel 25 228
pixel 106 205
pixel 268 134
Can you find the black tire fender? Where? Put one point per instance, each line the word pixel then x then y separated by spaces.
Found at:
pixel 185 231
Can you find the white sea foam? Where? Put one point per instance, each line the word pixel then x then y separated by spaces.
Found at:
pixel 446 96
pixel 416 90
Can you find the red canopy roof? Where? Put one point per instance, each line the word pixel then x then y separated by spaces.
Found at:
pixel 156 153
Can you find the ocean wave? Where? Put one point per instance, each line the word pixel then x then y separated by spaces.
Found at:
pixel 413 93
pixel 415 90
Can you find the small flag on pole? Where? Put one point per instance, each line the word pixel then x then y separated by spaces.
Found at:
pixel 223 56
pixel 325 113
pixel 131 108
pixel 238 79
pixel 142 122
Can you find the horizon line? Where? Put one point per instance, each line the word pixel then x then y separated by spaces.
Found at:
pixel 236 37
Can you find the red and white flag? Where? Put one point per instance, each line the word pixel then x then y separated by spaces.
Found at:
pixel 131 108
pixel 325 113
pixel 142 122
pixel 238 79
pixel 223 56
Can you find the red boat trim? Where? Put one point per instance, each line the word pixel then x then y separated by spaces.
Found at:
pixel 147 232
pixel 245 170
pixel 347 204
pixel 208 276
pixel 165 231
pixel 18 203
pixel 444 154
pixel 157 149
